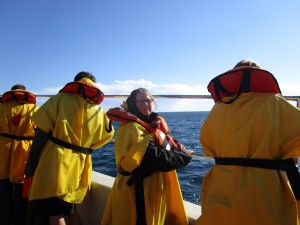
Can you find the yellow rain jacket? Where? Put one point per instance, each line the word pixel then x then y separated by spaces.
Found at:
pixel 15 119
pixel 256 125
pixel 62 172
pixel 162 194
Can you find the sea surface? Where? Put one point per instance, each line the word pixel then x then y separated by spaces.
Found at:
pixel 185 127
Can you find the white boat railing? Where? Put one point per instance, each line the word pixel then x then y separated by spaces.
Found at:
pixel 289 98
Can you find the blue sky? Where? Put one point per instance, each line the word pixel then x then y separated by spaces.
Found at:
pixel 167 46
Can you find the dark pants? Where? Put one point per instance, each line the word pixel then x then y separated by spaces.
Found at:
pixel 19 206
pixel 15 210
pixel 33 219
pixel 6 202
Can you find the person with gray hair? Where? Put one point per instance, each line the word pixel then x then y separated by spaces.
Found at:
pixel 247 62
pixel 253 134
pixel 147 157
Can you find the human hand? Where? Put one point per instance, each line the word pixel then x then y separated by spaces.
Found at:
pixel 190 152
pixel 181 147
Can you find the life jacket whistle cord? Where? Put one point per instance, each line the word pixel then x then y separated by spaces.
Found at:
pixel 20 96
pixel 242 80
pixel 159 129
pixel 89 92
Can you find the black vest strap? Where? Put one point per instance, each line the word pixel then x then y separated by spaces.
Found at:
pixel 139 196
pixel 259 163
pixel 244 87
pixel 287 165
pixel 20 101
pixel 16 137
pixel 124 173
pixel 109 129
pixel 71 146
pixel 140 203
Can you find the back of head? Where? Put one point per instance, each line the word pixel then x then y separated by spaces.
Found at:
pixel 84 74
pixel 247 62
pixel 18 86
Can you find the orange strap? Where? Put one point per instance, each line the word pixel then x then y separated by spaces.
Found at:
pixel 26 186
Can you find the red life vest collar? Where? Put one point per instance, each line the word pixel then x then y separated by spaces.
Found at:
pixel 159 129
pixel 241 80
pixel 89 92
pixel 20 96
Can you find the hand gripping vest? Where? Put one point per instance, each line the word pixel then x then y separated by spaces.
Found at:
pixel 159 129
pixel 241 80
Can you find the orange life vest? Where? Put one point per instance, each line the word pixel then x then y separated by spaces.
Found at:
pixel 241 80
pixel 158 128
pixel 20 96
pixel 89 92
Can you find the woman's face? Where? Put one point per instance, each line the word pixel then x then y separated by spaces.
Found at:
pixel 143 103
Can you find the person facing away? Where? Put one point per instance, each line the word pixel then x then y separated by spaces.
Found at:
pixel 146 189
pixel 71 124
pixel 253 133
pixel 16 134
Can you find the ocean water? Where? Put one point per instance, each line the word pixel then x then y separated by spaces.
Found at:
pixel 185 127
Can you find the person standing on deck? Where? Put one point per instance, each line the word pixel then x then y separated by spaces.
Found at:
pixel 146 190
pixel 70 125
pixel 16 134
pixel 253 134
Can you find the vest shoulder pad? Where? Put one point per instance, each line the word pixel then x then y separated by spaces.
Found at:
pixel 89 92
pixel 20 96
pixel 241 80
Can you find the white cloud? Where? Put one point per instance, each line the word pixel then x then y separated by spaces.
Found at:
pixel 125 87
pixel 48 91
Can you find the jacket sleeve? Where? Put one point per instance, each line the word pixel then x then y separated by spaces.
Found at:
pixel 159 159
pixel 39 141
pixel 163 160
